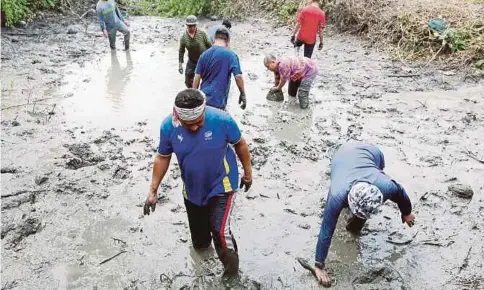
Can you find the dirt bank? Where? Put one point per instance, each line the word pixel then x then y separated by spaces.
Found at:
pixel 80 127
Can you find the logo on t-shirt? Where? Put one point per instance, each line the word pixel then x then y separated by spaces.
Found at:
pixel 208 135
pixel 180 137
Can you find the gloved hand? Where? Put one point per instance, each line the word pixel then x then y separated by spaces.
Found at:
pixel 320 46
pixel 180 68
pixel 150 203
pixel 245 181
pixel 242 101
pixel 293 39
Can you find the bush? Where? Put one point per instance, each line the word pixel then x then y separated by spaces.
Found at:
pixel 17 10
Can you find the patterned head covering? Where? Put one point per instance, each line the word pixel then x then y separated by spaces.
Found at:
pixel 184 114
pixel 364 199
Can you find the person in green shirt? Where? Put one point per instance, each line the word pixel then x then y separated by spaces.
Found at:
pixel 194 41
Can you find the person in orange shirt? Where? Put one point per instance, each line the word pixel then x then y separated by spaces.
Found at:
pixel 311 21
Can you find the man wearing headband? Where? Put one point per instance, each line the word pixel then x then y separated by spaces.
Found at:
pixel 215 68
pixel 200 137
pixel 357 182
pixel 195 41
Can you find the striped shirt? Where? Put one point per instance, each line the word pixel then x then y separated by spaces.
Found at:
pixel 195 45
pixel 296 68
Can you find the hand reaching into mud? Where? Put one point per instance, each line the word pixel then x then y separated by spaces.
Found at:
pixel 409 219
pixel 105 33
pixel 323 277
pixel 320 47
pixel 150 203
pixel 245 181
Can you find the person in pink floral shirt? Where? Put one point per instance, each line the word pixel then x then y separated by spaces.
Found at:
pixel 299 71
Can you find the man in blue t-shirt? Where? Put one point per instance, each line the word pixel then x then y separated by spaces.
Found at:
pixel 215 67
pixel 357 182
pixel 200 137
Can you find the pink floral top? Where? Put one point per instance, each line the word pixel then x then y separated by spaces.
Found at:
pixel 296 68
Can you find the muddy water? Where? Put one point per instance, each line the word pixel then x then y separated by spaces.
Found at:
pixel 77 155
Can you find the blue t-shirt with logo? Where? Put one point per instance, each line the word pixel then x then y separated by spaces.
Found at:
pixel 208 164
pixel 215 66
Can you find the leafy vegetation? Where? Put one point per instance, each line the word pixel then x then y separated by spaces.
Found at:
pixel 17 10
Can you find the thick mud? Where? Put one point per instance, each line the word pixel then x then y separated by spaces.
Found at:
pixel 80 129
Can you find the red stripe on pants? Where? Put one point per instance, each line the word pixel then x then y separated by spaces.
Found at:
pixel 224 221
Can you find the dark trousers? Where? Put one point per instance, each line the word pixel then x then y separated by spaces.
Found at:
pixel 308 48
pixel 190 73
pixel 213 222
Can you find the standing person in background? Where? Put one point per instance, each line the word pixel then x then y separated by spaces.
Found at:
pixel 111 21
pixel 211 31
pixel 299 71
pixel 215 68
pixel 195 41
pixel 310 22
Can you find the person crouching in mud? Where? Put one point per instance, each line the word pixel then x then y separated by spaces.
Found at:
pixel 111 21
pixel 299 71
pixel 199 136
pixel 357 182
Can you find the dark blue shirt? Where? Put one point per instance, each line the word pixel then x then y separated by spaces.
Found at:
pixel 208 164
pixel 354 162
pixel 215 66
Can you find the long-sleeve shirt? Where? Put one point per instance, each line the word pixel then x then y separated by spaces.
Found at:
pixel 108 14
pixel 355 162
pixel 195 45
pixel 296 68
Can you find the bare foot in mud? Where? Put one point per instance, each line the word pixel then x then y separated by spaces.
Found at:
pixel 323 277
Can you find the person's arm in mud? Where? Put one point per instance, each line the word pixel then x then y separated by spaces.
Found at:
pixel 321 36
pixel 331 214
pixel 398 195
pixel 242 150
pixel 282 83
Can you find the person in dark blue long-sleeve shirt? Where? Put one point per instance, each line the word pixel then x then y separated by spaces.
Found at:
pixel 357 182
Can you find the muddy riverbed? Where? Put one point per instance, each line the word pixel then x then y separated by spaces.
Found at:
pixel 80 127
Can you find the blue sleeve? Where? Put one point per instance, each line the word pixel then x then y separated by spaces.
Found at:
pixel 400 197
pixel 232 130
pixel 100 18
pixel 333 208
pixel 200 64
pixel 165 145
pixel 396 193
pixel 235 65
pixel 120 15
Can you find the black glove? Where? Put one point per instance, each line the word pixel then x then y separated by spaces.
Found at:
pixel 320 46
pixel 293 39
pixel 180 68
pixel 242 101
pixel 146 208
pixel 247 183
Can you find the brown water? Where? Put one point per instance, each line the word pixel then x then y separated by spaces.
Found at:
pixel 97 147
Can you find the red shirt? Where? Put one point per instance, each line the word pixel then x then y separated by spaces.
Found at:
pixel 312 19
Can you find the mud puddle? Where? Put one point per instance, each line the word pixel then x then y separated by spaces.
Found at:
pixel 79 137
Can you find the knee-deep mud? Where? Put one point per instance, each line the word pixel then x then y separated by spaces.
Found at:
pixel 80 126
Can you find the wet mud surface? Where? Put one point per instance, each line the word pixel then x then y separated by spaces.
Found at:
pixel 80 129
